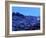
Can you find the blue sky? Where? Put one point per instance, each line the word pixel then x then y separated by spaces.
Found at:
pixel 27 11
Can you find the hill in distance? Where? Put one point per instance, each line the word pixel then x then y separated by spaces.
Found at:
pixel 22 22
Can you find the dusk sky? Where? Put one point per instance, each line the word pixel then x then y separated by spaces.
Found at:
pixel 27 11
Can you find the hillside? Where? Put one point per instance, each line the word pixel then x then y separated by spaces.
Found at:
pixel 22 22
